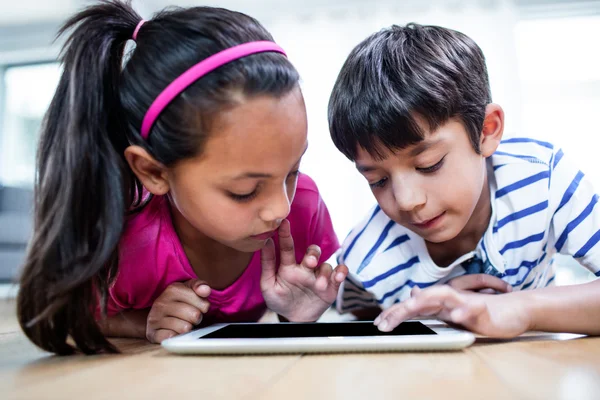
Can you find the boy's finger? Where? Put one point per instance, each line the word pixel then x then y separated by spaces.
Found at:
pixel 311 258
pixel 415 291
pixel 440 295
pixel 426 302
pixel 392 317
pixel 286 244
pixel 480 281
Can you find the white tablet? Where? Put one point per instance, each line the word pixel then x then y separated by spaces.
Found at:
pixel 289 337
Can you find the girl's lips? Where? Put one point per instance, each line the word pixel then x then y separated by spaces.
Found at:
pixel 264 235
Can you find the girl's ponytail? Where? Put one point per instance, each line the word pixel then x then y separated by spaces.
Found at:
pixel 82 188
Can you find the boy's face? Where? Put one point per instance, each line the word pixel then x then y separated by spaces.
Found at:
pixel 434 187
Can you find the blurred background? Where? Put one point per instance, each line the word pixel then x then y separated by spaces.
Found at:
pixel 543 59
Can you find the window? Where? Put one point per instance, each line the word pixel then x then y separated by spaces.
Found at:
pixel 559 71
pixel 27 92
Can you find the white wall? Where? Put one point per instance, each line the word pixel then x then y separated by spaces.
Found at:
pixel 319 34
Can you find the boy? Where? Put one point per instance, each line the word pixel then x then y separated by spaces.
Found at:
pixel 412 108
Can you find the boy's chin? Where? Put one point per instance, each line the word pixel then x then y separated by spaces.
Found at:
pixel 438 237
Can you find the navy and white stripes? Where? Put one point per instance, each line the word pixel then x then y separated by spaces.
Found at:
pixel 541 204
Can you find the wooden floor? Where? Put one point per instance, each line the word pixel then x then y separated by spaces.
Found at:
pixel 533 367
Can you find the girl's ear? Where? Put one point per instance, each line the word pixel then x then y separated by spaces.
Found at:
pixel 150 172
pixel 493 128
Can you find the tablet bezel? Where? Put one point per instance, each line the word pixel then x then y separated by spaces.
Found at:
pixel 446 338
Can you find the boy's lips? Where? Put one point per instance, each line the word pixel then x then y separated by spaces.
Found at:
pixel 428 223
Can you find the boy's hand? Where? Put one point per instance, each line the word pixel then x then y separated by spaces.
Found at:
pixel 298 292
pixel 482 283
pixel 177 310
pixel 501 316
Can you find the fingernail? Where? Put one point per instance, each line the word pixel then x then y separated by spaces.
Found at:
pixel 377 320
pixel 410 303
pixel 383 325
pixel 312 258
pixel 339 277
pixel 202 288
pixel 509 288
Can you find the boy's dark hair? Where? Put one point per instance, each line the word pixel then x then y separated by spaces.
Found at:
pixel 403 72
pixel 83 185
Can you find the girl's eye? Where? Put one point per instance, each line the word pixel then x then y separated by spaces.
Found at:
pixel 247 197
pixel 379 184
pixel 433 168
pixel 243 197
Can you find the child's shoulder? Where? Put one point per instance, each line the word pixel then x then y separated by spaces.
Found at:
pixel 145 222
pixel 148 236
pixel 524 150
pixel 306 184
pixel 307 197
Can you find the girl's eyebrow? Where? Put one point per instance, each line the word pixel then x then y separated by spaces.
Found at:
pixel 252 175
pixel 255 175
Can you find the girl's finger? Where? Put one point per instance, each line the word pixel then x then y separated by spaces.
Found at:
pixel 186 312
pixel 286 244
pixel 176 325
pixel 159 335
pixel 311 258
pixel 339 275
pixel 323 274
pixel 269 264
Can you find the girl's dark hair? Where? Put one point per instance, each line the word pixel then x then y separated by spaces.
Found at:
pixel 84 186
pixel 402 72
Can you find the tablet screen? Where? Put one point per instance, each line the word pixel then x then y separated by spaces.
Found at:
pixel 304 330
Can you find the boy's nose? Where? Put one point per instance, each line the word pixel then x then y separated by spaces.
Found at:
pixel 407 197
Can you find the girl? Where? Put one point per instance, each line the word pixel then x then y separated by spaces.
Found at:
pixel 159 182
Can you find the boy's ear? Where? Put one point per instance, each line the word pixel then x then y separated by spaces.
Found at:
pixel 150 172
pixel 493 127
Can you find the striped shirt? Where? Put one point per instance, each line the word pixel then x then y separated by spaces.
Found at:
pixel 541 205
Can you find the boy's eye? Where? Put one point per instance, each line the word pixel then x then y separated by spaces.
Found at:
pixel 294 174
pixel 379 184
pixel 243 197
pixel 433 168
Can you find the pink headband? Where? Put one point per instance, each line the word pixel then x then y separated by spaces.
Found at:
pixel 198 71
pixel 137 29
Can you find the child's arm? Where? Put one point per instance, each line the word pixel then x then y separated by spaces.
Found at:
pixel 574 309
pixel 129 324
pixel 175 311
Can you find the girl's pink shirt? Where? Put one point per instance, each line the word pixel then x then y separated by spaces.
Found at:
pixel 151 258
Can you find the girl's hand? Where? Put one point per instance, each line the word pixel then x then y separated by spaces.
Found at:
pixel 298 292
pixel 501 316
pixel 177 310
